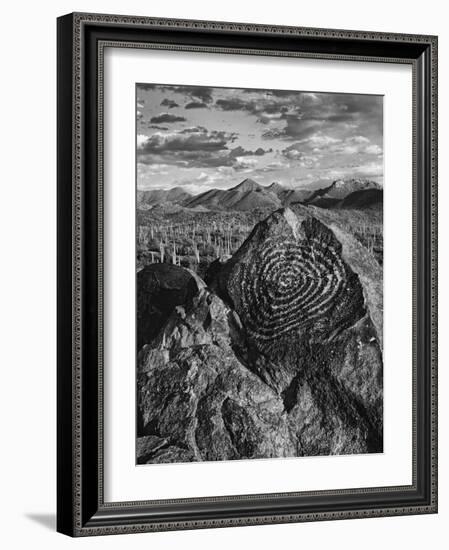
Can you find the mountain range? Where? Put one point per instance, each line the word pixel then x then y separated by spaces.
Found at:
pixel 250 195
pixel 247 195
pixel 175 195
pixel 340 190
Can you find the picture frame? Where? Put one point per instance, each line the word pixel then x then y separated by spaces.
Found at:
pixel 81 506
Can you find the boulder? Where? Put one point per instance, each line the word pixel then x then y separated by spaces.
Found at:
pixel 195 395
pixel 160 288
pixel 158 450
pixel 311 313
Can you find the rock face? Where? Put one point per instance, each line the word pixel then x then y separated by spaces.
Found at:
pixel 197 401
pixel 278 357
pixel 160 288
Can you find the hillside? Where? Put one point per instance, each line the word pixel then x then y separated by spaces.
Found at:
pixel 368 198
pixel 328 196
pixel 287 195
pixel 176 195
pixel 247 195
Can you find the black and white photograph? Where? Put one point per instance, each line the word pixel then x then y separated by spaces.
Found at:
pixel 247 278
pixel 221 303
pixel 259 261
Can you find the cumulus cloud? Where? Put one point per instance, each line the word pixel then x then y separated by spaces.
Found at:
pixel 143 86
pixel 332 114
pixel 267 109
pixel 274 166
pixel 141 140
pixel 319 141
pixel 294 152
pixel 273 133
pixel 370 169
pixel 282 134
pixel 373 150
pixel 298 127
pixel 179 141
pixel 194 130
pixel 167 118
pixel 239 151
pixel 201 92
pixel 196 105
pixel 198 148
pixel 157 127
pixel 198 93
pixel 303 113
pixel 356 145
pixel 244 163
pixel 321 144
pixel 233 104
pixel 145 170
pixel 170 103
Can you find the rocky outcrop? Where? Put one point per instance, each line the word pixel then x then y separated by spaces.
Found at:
pixel 196 399
pixel 160 288
pixel 279 356
pixel 358 258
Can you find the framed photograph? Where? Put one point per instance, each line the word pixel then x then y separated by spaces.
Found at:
pixel 246 274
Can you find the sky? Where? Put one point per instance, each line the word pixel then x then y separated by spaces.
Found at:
pixel 203 138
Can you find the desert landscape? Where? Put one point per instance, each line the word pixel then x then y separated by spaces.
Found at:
pixel 192 231
pixel 259 274
pixel 258 307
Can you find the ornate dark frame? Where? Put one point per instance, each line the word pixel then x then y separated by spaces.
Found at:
pixel 81 509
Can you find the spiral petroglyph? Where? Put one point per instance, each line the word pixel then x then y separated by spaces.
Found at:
pixel 296 281
pixel 292 285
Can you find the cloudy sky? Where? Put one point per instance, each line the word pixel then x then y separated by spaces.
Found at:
pixel 203 138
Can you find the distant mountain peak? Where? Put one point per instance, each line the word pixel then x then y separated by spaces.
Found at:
pixel 276 187
pixel 178 188
pixel 247 185
pixel 339 189
pixel 339 183
pixel 247 195
pixel 355 184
